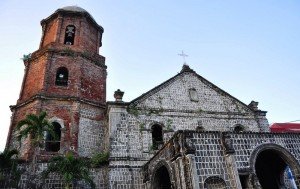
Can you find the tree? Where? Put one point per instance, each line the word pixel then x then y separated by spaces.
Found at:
pixel 70 168
pixel 35 127
pixel 9 173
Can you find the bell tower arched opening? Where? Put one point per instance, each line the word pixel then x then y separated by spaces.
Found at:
pixel 69 35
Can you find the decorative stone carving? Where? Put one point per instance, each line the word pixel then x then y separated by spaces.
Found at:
pixel 227 143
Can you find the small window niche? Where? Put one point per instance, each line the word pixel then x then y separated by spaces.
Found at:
pixel 157 136
pixel 62 75
pixel 199 127
pixel 238 128
pixel 193 95
pixel 70 35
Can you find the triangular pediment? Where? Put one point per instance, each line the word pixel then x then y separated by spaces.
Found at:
pixel 188 91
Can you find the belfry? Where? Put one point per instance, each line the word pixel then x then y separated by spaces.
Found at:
pixel 66 77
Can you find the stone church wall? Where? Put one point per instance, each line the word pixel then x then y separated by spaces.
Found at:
pixel 201 160
pixel 215 108
pixel 245 143
pixel 92 131
pixel 54 181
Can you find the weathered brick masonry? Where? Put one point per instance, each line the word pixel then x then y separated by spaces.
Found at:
pixel 78 105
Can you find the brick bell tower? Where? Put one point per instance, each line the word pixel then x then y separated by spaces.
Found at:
pixel 66 77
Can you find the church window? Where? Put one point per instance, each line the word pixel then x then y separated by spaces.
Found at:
pixel 238 128
pixel 52 143
pixel 193 95
pixel 157 136
pixel 69 35
pixel 62 75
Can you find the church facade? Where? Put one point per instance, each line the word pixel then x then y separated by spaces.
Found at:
pixel 185 133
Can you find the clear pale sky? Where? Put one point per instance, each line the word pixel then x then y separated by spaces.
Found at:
pixel 250 49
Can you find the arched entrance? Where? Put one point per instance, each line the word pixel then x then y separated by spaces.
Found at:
pixel 162 179
pixel 271 167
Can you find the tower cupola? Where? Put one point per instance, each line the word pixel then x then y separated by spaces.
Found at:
pixel 74 27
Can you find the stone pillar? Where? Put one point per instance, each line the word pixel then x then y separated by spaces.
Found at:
pixel 233 172
pixel 181 173
pixel 193 171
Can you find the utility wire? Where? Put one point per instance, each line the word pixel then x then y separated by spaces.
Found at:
pixel 293 121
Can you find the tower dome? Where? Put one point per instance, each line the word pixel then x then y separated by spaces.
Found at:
pixel 73 8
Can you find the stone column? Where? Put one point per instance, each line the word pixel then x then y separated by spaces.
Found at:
pixel 233 172
pixel 193 171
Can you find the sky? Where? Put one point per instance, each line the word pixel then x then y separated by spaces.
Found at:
pixel 250 49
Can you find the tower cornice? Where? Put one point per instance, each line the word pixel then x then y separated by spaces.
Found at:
pixel 70 51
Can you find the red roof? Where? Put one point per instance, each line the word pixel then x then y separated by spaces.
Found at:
pixel 285 127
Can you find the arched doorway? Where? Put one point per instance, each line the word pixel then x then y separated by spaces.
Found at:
pixel 214 183
pixel 271 169
pixel 162 179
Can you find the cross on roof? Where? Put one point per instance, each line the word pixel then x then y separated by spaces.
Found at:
pixel 183 56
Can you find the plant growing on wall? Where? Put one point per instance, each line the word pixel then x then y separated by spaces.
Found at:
pixel 134 111
pixel 26 57
pixel 142 126
pixel 99 159
pixel 168 125
pixel 69 52
pixel 70 168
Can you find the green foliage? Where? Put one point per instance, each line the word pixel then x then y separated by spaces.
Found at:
pixel 35 126
pixel 86 54
pixel 153 147
pixel 9 172
pixel 69 52
pixel 155 111
pixel 99 159
pixel 70 169
pixel 134 111
pixel 168 125
pixel 142 126
pixel 199 110
pixel 26 57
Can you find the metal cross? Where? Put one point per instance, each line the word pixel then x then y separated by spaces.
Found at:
pixel 183 56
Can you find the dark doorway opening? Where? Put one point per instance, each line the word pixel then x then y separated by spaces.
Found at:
pixel 162 179
pixel 157 136
pixel 52 143
pixel 244 180
pixel 270 168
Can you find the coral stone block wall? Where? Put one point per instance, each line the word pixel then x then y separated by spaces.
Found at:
pixel 170 105
pixel 204 159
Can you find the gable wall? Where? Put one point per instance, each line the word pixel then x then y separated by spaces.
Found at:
pixel 175 96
